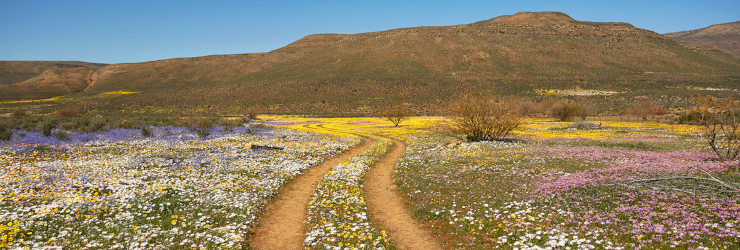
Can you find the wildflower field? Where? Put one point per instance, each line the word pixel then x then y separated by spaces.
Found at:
pixel 559 185
pixel 551 185
pixel 173 190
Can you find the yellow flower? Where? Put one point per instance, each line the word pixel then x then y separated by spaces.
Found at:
pixel 135 227
pixel 174 222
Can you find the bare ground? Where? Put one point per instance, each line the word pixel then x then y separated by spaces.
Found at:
pixel 387 209
pixel 283 225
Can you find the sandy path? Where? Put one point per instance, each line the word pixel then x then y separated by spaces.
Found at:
pixel 283 225
pixel 386 208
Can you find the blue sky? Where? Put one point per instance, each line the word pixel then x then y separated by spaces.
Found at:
pixel 136 31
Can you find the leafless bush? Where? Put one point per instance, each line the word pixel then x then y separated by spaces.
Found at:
pixel 395 115
pixel 700 182
pixel 721 122
pixel 480 118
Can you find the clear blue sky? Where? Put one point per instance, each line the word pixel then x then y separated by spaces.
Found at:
pixel 111 31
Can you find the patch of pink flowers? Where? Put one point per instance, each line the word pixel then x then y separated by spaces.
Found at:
pixel 623 164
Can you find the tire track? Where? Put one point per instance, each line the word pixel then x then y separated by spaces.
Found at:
pixel 387 209
pixel 283 225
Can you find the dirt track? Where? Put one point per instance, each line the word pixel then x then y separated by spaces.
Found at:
pixel 283 225
pixel 387 209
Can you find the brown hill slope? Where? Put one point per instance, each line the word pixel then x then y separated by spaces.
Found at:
pixel 725 36
pixel 40 79
pixel 421 67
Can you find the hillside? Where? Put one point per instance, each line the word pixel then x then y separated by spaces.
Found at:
pixel 421 67
pixel 40 79
pixel 725 36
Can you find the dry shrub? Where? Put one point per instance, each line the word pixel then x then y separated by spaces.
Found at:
pixel 721 122
pixel 253 113
pixel 566 110
pixel 68 112
pixel 645 109
pixel 18 113
pixel 480 118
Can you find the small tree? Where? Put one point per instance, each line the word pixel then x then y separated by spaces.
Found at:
pixel 395 115
pixel 721 122
pixel 481 118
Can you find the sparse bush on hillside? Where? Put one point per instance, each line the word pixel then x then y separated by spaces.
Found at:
pixel 68 112
pixel 721 122
pixel 395 115
pixel 480 118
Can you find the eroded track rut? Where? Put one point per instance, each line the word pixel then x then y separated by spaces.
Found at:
pixel 387 209
pixel 283 225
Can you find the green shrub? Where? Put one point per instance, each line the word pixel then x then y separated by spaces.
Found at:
pixel 47 127
pixel 61 135
pixel 125 124
pixel 145 131
pixel 95 124
pixel 5 133
pixel 203 132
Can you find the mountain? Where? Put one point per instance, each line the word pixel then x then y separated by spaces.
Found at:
pixel 725 37
pixel 421 67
